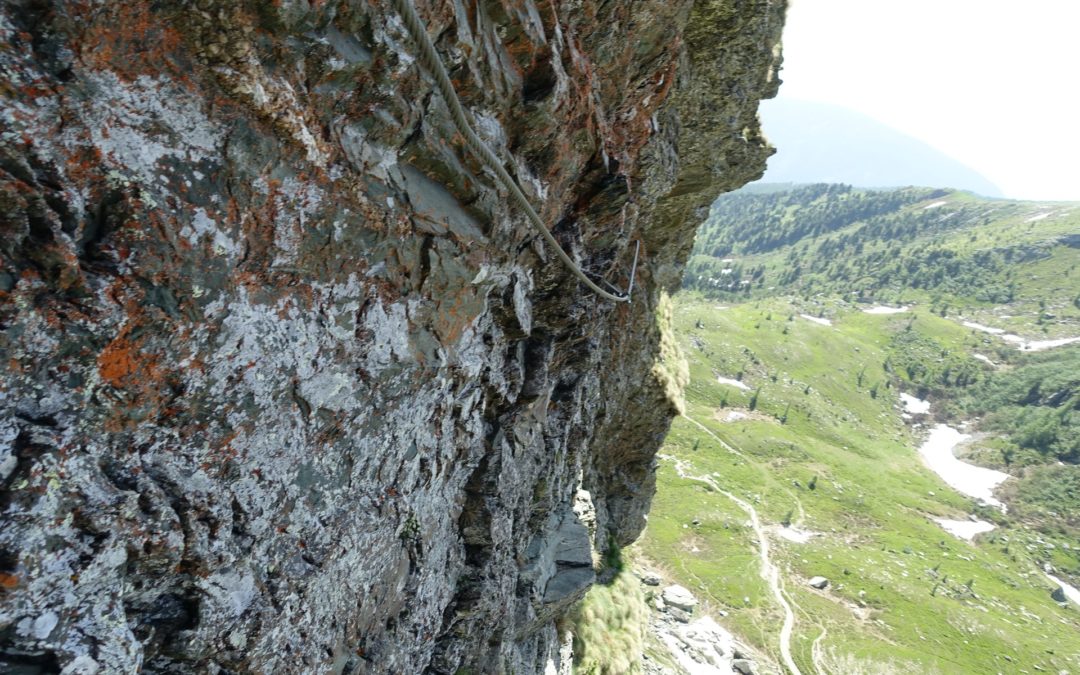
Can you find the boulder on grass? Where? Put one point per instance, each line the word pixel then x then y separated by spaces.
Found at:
pixel 677 596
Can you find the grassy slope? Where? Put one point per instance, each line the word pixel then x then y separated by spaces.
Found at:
pixel 872 501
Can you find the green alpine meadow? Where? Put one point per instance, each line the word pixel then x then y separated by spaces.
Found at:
pixel 832 335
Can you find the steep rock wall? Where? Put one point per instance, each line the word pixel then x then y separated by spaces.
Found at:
pixel 287 385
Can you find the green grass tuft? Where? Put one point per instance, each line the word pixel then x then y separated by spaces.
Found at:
pixel 670 368
pixel 609 628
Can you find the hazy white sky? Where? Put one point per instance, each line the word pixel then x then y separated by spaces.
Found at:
pixel 993 83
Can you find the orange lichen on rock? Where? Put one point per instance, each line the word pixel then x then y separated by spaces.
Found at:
pixel 118 361
pixel 8 581
pixel 139 43
pixel 124 365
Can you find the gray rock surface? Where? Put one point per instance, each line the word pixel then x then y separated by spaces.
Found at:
pixel 743 666
pixel 288 386
pixel 701 647
pixel 677 596
pixel 818 582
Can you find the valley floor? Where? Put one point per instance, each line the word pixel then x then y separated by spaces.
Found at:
pixel 795 503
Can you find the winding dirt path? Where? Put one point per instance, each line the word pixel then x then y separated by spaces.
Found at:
pixel 798 522
pixel 815 651
pixel 769 572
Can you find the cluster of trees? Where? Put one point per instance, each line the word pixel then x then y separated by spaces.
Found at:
pixel 748 223
pixel 1035 405
pixel 921 361
pixel 1052 491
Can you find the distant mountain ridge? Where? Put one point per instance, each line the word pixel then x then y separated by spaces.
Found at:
pixel 822 143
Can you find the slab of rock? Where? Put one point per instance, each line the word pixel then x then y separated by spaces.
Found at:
pixel 680 615
pixel 744 666
pixel 677 596
pixel 568 582
pixel 559 561
pixel 702 647
pixel 818 582
pixel 650 579
pixel 1058 595
pixel 703 643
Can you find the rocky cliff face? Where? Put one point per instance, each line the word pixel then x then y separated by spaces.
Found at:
pixel 287 385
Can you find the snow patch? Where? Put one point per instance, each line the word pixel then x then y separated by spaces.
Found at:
pixel 973 481
pixel 1042 345
pixel 816 319
pixel 965 529
pixel 935 205
pixel 1023 344
pixel 882 309
pixel 1071 592
pixel 796 535
pixel 985 329
pixel 734 383
pixel 983 358
pixel 1035 219
pixel 914 406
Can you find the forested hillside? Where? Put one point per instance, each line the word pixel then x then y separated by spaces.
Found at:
pixel 886 244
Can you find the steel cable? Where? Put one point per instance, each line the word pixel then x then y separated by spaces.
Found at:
pixel 431 62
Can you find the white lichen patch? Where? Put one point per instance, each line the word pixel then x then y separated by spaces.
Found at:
pixel 137 124
pixel 396 37
pixel 364 155
pixel 389 327
pixel 489 129
pixel 202 225
pixel 330 390
pixel 296 203
pixel 272 97
pixel 230 592
pixel 264 347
